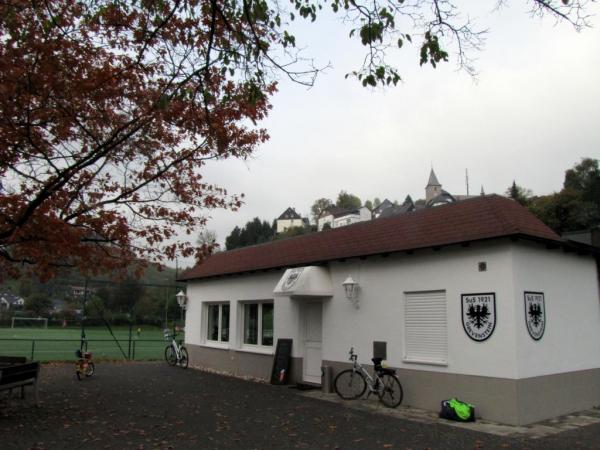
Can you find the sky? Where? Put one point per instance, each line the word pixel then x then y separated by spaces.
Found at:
pixel 532 112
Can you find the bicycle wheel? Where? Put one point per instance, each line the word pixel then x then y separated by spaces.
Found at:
pixel 350 384
pixel 391 394
pixel 183 362
pixel 89 371
pixel 170 356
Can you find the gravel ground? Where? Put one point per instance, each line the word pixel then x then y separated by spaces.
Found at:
pixel 151 405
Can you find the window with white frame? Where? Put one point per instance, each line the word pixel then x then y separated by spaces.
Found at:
pixel 258 323
pixel 217 327
pixel 425 325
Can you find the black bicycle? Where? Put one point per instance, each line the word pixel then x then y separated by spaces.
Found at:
pixel 352 383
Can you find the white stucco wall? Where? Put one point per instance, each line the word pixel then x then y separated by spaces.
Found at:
pixel 365 214
pixel 571 339
pixel 323 220
pixel 233 290
pixel 284 224
pixel 346 220
pixel 380 317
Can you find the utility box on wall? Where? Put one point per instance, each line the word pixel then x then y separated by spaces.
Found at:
pixel 380 349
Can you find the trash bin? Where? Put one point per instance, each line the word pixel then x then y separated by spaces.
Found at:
pixel 326 379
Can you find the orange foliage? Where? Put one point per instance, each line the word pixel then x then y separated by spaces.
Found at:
pixel 108 112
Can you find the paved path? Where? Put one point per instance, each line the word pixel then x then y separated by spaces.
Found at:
pixel 151 405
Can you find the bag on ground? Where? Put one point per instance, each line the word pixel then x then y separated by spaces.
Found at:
pixel 457 410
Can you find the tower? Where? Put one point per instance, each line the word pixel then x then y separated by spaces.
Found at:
pixel 433 188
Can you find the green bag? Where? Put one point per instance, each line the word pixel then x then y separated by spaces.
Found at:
pixel 462 409
pixel 457 410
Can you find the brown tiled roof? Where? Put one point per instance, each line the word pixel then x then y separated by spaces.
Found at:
pixel 480 218
pixel 333 211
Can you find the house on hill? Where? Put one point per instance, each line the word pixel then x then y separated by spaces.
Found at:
pixel 475 299
pixel 434 196
pixel 10 301
pixel 391 209
pixel 335 217
pixel 289 219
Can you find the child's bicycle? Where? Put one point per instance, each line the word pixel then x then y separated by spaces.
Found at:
pixel 84 365
pixel 175 352
pixel 352 383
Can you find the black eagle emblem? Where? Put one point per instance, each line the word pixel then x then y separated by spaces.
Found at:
pixel 478 315
pixel 535 314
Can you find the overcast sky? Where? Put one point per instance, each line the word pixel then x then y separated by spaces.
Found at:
pixel 532 112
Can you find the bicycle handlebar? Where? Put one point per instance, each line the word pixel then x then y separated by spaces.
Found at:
pixel 353 356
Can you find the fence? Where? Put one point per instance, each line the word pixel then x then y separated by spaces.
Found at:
pixel 40 349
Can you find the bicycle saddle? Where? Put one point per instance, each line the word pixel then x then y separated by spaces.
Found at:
pixel 380 369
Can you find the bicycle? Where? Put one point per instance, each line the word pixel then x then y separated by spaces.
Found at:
pixel 84 365
pixel 175 352
pixel 351 384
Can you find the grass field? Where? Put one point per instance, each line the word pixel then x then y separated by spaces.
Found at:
pixel 59 344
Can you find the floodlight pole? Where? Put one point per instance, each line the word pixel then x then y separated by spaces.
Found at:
pixel 166 308
pixel 83 339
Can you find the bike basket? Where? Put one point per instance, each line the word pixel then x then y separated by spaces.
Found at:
pixel 87 355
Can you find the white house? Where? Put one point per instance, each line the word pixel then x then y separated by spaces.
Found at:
pixel 11 301
pixel 289 219
pixel 339 217
pixel 476 299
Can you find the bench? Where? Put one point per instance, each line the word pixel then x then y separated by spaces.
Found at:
pixel 16 373
pixel 12 360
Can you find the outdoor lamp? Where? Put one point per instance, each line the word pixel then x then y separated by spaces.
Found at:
pixel 181 299
pixel 350 286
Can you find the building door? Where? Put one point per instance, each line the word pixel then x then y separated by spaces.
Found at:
pixel 313 335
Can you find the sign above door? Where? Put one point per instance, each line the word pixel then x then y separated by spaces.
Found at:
pixel 309 281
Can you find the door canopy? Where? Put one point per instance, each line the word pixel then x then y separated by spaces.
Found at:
pixel 309 281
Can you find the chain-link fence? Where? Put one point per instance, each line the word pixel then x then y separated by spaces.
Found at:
pixel 115 320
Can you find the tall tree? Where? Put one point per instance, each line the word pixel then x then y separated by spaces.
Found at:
pixel 207 240
pixel 109 110
pixel 347 201
pixel 38 304
pixel 519 193
pixel 577 206
pixel 233 240
pixel 126 295
pixel 254 232
pixel 319 206
pixel 585 179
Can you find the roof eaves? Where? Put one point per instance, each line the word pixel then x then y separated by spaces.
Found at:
pixel 408 250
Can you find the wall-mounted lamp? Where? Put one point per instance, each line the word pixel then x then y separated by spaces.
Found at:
pixel 181 299
pixel 351 286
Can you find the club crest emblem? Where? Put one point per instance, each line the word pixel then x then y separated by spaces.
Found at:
pixel 535 314
pixel 479 315
pixel 292 277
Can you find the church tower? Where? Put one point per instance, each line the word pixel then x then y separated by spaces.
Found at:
pixel 433 188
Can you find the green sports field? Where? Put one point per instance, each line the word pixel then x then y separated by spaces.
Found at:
pixel 59 344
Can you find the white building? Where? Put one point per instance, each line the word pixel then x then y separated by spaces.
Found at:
pixel 289 219
pixel 477 300
pixel 338 217
pixel 11 301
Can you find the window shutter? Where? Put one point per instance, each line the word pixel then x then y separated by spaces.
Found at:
pixel 425 324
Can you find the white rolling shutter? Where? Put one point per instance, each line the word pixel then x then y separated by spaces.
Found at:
pixel 425 324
